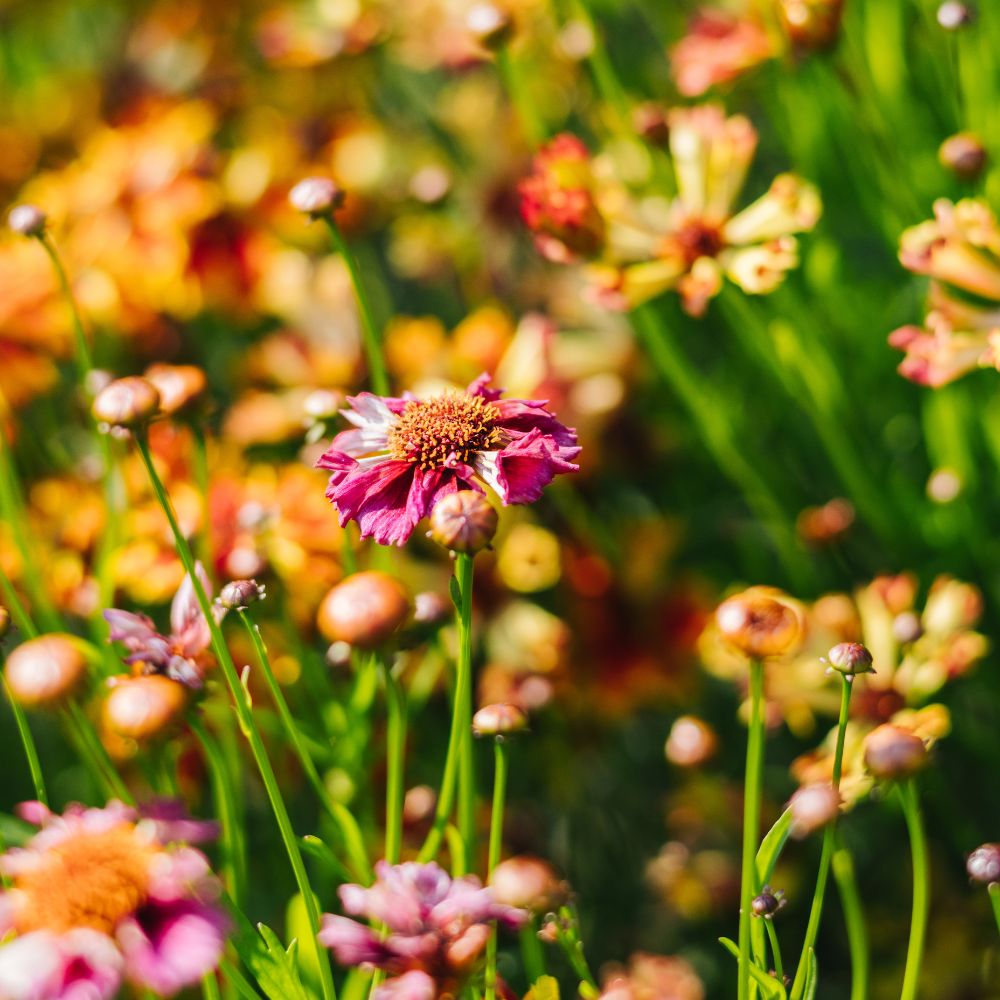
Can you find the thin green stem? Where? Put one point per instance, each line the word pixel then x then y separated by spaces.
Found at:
pixel 210 987
pixel 92 750
pixel 201 478
pixel 493 854
pixel 854 919
pixel 772 935
pixel 994 891
pixel 369 331
pixel 462 697
pixel 16 608
pixel 30 749
pixel 826 855
pixel 466 752
pixel 921 889
pixel 84 359
pixel 515 85
pixel 395 753
pixel 532 954
pixel 244 713
pixel 751 818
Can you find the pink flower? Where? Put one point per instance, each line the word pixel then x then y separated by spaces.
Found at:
pixel 437 928
pixel 177 655
pixel 403 455
pixel 98 895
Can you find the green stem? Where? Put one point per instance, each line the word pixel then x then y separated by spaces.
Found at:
pixel 244 714
pixel 201 477
pixel 84 359
pixel 370 334
pixel 462 697
pixel 466 757
pixel 751 818
pixel 395 752
pixel 515 85
pixel 341 816
pixel 16 608
pixel 532 954
pixel 30 749
pixel 854 918
pixel 772 935
pixel 93 752
pixel 921 889
pixel 994 891
pixel 493 856
pixel 816 910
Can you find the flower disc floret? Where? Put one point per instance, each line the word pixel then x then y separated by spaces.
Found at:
pixel 444 430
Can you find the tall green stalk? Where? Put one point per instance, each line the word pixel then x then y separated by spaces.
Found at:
pixel 395 753
pixel 28 742
pixel 493 856
pixel 854 919
pixel 921 889
pixel 244 713
pixel 751 818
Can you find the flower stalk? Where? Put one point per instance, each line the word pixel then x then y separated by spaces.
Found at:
pixel 493 857
pixel 910 799
pixel 395 753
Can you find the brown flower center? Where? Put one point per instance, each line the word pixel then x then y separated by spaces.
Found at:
pixel 698 238
pixel 92 880
pixel 444 430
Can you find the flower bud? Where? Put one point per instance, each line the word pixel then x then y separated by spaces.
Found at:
pixel 907 627
pixel 650 122
pixel 431 608
pixel 490 25
pixel 851 658
pixel 322 404
pixel 238 595
pixel 418 805
pixel 983 864
pixel 499 720
pixel 126 402
pixel 892 752
pixel 813 807
pixel 45 671
pixel 811 24
pixel 364 610
pixel 28 220
pixel 691 742
pixel 180 387
pixel 964 155
pixel 761 622
pixel 464 521
pixel 316 196
pixel 4 621
pixel 463 950
pixel 768 903
pixel 528 883
pixel 952 15
pixel 143 708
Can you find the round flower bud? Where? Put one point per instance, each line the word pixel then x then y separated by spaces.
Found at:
pixel 364 610
pixel 4 621
pixel 490 25
pixel 851 658
pixel 768 903
pixel 761 622
pixel 143 708
pixel 316 195
pixel 691 742
pixel 126 402
pixel 964 155
pixel 28 220
pixel 813 807
pixel 464 521
pixel 322 404
pixel 892 752
pixel 952 15
pixel 650 121
pixel 238 595
pixel 983 864
pixel 499 720
pixel 907 627
pixel 528 883
pixel 180 387
pixel 431 608
pixel 44 672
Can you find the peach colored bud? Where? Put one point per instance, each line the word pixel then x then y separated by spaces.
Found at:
pixel 762 621
pixel 180 386
pixel 983 864
pixel 952 15
pixel 463 951
pixel 28 220
pixel 964 155
pixel 851 658
pixel 431 608
pixel 528 883
pixel 418 804
pixel 126 402
pixel 489 24
pixel 322 404
pixel 499 720
pixel 238 595
pixel 811 24
pixel 316 195
pixel 893 753
pixel 813 807
pixel 464 521
pixel 907 627
pixel 364 610
pixel 143 708
pixel 691 742
pixel 44 672
pixel 4 621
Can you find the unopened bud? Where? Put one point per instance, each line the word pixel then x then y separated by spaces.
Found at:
pixel 528 883
pixel 322 404
pixel 143 708
pixel 499 720
pixel 4 621
pixel 316 196
pixel 28 220
pixel 126 402
pixel 907 627
pixel 811 24
pixel 650 121
pixel 464 521
pixel 851 658
pixel 490 25
pixel 964 155
pixel 364 610
pixel 46 671
pixel 893 753
pixel 813 807
pixel 180 387
pixel 952 15
pixel 983 864
pixel 418 804
pixel 431 608
pixel 691 742
pixel 238 595
pixel 761 622
pixel 768 903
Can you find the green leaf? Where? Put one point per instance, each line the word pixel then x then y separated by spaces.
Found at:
pixel 298 926
pixel 274 968
pixel 771 847
pixel 769 987
pixel 544 988
pixel 812 977
pixel 456 593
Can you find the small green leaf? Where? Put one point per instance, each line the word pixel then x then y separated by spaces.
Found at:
pixel 544 988
pixel 262 952
pixel 771 847
pixel 769 987
pixel 812 977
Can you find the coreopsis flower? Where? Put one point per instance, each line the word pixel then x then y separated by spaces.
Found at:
pixel 404 454
pixel 653 977
pixel 180 655
pixel 102 896
pixel 437 928
pixel 958 251
pixel 718 48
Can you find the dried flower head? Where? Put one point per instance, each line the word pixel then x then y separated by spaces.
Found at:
pixel 143 708
pixel 983 864
pixel 365 610
pixel 691 743
pixel 44 672
pixel 761 622
pixel 28 220
pixel 499 720
pixel 813 807
pixel 464 521
pixel 238 595
pixel 316 196
pixel 126 402
pixel 893 753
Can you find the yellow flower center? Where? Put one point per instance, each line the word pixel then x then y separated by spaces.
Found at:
pixel 92 880
pixel 445 429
